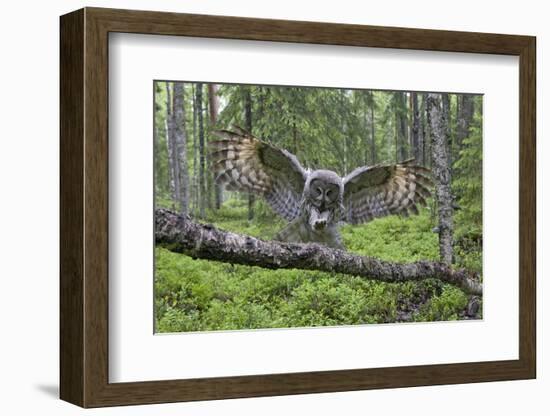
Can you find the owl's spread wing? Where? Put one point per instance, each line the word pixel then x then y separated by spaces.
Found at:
pixel 377 191
pixel 244 163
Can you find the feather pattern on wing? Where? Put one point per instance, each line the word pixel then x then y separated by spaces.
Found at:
pixel 244 163
pixel 377 191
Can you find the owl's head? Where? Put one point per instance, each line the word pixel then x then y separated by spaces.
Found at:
pixel 323 197
pixel 324 189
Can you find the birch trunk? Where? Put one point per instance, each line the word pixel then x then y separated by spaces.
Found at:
pixel 442 174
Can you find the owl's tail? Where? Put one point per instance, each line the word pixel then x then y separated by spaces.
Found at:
pixel 292 233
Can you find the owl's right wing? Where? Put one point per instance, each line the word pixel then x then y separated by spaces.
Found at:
pixel 244 163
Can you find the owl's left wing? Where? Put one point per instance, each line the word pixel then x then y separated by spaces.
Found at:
pixel 377 191
pixel 244 163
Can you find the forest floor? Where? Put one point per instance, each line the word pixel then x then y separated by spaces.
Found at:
pixel 201 295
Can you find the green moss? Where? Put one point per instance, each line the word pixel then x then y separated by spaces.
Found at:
pixel 199 295
pixel 444 307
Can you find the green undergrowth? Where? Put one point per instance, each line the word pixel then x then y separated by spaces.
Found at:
pixel 200 295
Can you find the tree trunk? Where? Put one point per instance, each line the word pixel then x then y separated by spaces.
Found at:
pixel 181 235
pixel 156 142
pixel 202 153
pixel 294 134
pixel 180 135
pixel 465 115
pixel 372 135
pixel 173 159
pixel 401 127
pixel 427 134
pixel 196 191
pixel 442 174
pixel 168 128
pixel 396 134
pixel 214 102
pixel 417 139
pixel 422 131
pixel 410 119
pixel 248 122
pixel 446 108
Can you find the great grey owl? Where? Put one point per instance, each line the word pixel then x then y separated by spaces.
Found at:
pixel 315 202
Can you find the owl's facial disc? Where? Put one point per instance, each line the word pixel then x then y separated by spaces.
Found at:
pixel 323 194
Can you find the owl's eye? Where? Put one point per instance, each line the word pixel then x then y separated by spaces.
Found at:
pixel 329 192
pixel 318 191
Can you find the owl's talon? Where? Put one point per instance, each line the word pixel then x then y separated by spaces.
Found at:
pixel 320 225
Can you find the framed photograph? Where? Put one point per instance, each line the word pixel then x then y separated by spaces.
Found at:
pixel 255 207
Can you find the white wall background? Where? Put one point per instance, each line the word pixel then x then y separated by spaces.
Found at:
pixel 29 159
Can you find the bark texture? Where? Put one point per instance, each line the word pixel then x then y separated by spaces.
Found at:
pixel 441 168
pixel 424 132
pixel 372 132
pixel 202 153
pixel 464 118
pixel 214 104
pixel 417 131
pixel 401 127
pixel 181 235
pixel 175 188
pixel 196 191
pixel 248 123
pixel 180 139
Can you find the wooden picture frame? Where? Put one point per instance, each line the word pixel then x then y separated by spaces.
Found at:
pixel 84 207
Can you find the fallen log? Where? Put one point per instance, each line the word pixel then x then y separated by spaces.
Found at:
pixel 181 234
